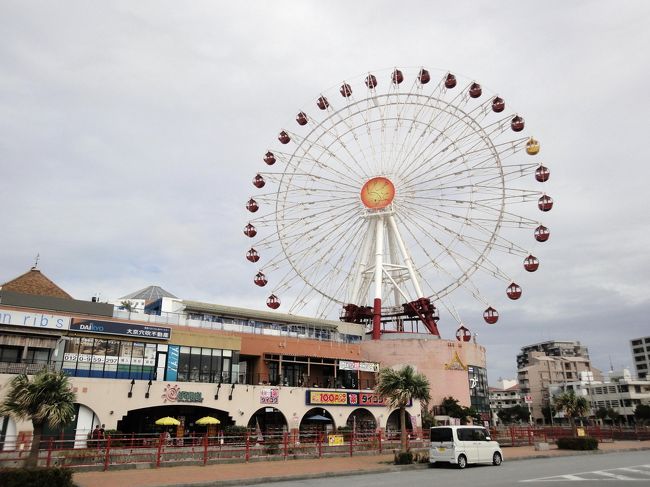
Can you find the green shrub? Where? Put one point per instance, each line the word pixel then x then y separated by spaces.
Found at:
pixel 403 458
pixel 36 477
pixel 578 443
pixel 272 448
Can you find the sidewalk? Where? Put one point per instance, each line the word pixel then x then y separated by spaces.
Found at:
pixel 262 472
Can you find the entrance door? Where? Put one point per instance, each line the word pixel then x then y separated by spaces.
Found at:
pixel 161 364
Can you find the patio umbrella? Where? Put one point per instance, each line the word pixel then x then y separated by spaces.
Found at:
pixel 318 417
pixel 167 421
pixel 207 420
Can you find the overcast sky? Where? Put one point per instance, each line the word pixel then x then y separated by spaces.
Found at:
pixel 130 131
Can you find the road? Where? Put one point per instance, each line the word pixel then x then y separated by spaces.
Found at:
pixel 615 469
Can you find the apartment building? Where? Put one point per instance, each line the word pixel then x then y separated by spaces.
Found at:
pixel 641 353
pixel 541 365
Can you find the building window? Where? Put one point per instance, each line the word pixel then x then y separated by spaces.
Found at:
pixel 10 354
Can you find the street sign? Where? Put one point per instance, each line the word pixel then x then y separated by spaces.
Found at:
pixel 528 399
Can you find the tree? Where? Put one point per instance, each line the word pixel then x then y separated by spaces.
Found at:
pixel 513 414
pixel 399 388
pixel 573 406
pixel 45 400
pixel 453 408
pixel 607 413
pixel 642 413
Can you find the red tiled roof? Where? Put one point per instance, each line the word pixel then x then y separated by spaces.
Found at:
pixel 36 283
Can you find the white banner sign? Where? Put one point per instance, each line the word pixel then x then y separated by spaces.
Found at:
pixel 34 320
pixel 362 366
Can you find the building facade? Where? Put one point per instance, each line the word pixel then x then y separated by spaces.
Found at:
pixel 506 394
pixel 541 365
pixel 188 359
pixel 641 353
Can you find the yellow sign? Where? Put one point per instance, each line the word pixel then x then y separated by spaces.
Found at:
pixel 329 397
pixel 580 431
pixel 334 440
pixel 455 363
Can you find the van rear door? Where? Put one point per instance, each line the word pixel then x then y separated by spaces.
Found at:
pixel 442 445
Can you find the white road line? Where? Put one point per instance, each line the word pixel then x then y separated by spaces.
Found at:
pixel 635 470
pixel 612 475
pixel 605 473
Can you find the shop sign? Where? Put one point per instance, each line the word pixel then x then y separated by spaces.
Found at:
pixel 122 329
pixel 173 393
pixel 335 440
pixel 34 320
pixel 269 396
pixel 332 398
pixel 360 366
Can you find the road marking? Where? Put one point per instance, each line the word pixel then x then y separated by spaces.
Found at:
pixel 609 474
pixel 612 475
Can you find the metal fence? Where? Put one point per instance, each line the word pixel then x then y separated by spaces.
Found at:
pixel 156 450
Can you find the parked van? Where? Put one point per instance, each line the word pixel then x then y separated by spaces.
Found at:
pixel 463 445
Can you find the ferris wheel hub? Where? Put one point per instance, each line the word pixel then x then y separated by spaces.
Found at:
pixel 377 193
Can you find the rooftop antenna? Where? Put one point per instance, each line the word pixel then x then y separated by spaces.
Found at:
pixel 611 366
pixel 38 256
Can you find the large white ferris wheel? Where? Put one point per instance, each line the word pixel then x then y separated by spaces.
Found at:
pixel 391 191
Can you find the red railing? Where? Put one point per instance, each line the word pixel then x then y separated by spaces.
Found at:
pixel 157 450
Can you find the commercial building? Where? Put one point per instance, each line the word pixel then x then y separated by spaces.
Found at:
pixel 135 362
pixel 552 362
pixel 641 353
pixel 506 394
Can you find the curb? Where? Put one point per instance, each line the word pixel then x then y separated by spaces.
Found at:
pixel 306 476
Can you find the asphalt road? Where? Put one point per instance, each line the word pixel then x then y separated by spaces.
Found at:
pixel 614 469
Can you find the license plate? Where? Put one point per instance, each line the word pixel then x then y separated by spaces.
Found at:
pixel 441 449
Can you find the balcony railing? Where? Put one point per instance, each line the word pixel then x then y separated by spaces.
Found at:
pixel 23 368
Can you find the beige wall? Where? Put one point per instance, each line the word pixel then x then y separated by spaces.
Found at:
pixel 444 362
pixel 108 398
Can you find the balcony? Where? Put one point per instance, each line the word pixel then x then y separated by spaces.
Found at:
pixel 23 368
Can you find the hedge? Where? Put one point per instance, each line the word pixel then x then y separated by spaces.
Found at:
pixel 36 477
pixel 578 443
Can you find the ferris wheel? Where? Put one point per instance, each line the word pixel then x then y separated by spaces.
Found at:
pixel 391 191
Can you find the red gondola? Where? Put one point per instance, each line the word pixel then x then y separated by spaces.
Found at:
pixel 322 103
pixel 517 124
pixel 542 173
pixel 475 90
pixel 371 81
pixel 513 291
pixel 531 263
pixel 424 77
pixel 450 81
pixel 491 316
pixel 269 158
pixel 252 205
pixel 542 233
pixel 498 104
pixel 301 118
pixel 545 203
pixel 252 255
pixel 258 181
pixel 284 137
pixel 463 334
pixel 397 77
pixel 249 231
pixel 273 302
pixel 346 90
pixel 260 279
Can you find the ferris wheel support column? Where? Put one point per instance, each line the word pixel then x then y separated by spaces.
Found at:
pixel 405 255
pixel 379 275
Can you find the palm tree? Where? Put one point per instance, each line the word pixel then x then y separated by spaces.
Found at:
pixel 398 388
pixel 45 400
pixel 573 406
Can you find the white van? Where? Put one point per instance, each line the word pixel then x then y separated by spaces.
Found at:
pixel 463 445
